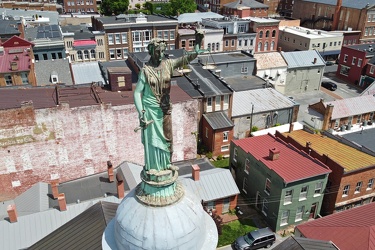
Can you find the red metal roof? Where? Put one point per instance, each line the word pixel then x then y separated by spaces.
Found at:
pixel 83 43
pixel 17 55
pixel 350 229
pixel 292 165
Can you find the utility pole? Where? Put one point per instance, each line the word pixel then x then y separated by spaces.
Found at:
pixel 251 118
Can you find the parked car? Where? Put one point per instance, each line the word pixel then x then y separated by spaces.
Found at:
pixel 329 85
pixel 261 238
pixel 329 63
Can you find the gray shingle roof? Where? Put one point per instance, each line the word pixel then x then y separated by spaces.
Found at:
pixel 44 68
pixel 213 184
pixel 298 243
pixel 85 73
pixel 246 3
pixel 357 4
pixel 218 120
pixel 83 232
pixel 263 100
pixel 300 59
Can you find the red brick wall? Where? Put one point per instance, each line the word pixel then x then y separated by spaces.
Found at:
pixel 69 143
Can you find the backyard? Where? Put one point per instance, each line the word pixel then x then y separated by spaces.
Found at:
pixel 232 230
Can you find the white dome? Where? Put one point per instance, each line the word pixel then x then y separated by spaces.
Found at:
pixel 182 225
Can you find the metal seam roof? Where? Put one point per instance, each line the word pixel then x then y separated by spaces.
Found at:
pixel 352 106
pixel 218 120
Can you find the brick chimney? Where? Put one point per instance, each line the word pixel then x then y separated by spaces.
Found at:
pixel 111 176
pixel 195 172
pixel 55 189
pixel 12 213
pixel 327 116
pixel 120 186
pixel 62 202
pixel 314 60
pixel 278 49
pixel 291 127
pixel 336 15
pixel 274 154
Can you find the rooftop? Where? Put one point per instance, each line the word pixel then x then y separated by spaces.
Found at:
pixel 369 48
pixel 245 83
pixel 263 20
pixel 14 14
pixel 305 58
pixel 310 33
pixel 45 68
pixel 299 243
pixel 196 17
pixel 9 27
pixel 350 229
pixel 352 106
pixel 218 120
pixel 363 138
pixel 246 3
pixel 113 22
pixel 51 32
pixel 225 57
pixel 86 73
pixel 15 52
pixel 288 165
pixel 349 158
pixel 269 60
pixel 264 100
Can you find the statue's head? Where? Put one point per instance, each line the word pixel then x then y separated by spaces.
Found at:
pixel 156 48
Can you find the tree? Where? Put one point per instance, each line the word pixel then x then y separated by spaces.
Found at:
pixel 109 7
pixel 182 6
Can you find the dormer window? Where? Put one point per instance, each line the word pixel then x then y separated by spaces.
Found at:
pixel 54 77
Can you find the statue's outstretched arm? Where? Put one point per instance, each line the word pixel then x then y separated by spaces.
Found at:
pixel 138 93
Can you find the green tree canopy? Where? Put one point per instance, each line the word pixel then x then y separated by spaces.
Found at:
pixel 109 7
pixel 182 6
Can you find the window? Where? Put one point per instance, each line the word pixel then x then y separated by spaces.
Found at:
pixel 359 118
pixel 247 166
pixel 272 45
pixel 226 102
pixel 136 36
pixel 265 46
pixel 125 52
pixel 225 136
pixel 244 185
pixel 217 46
pixel 24 77
pixel 225 148
pixel 370 184
pixel 358 187
pixel 209 47
pixel 213 46
pixel 171 35
pixel 217 103
pixel 45 57
pixel 273 33
pixel 345 58
pixel 211 205
pixel 72 58
pixel 160 34
pixel 183 44
pixel 259 46
pixel 267 188
pixel 79 55
pixel 335 44
pixel 372 69
pixel 36 57
pixel 359 62
pixel 192 43
pixel 53 55
pixel 117 38
pixel 288 197
pixel 124 37
pixel 235 155
pixel 267 33
pixel 244 69
pixel 344 70
pixel 86 54
pixel 318 188
pixel 299 213
pixel 101 55
pixel 118 53
pixel 303 193
pixel 206 132
pixel 110 39
pixel 112 54
pixel 59 54
pixel 8 80
pixel 226 43
pixel 171 46
pixel 209 104
pixel 284 218
pixel 260 34
pixel 92 52
pixel 232 42
pixel 353 60
pixel 146 35
pixel 241 28
pixel 165 34
pixel 265 207
pixel 345 192
pixel 245 42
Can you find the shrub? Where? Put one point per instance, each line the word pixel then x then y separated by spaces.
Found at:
pixel 219 157
pixel 277 124
pixel 209 155
pixel 254 129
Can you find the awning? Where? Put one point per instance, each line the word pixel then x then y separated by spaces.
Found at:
pixel 330 52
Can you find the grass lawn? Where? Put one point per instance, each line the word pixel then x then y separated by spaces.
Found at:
pixel 224 163
pixel 232 230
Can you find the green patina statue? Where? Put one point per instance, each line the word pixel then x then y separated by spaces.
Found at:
pixel 152 101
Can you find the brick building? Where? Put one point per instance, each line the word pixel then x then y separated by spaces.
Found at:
pixel 245 8
pixel 39 142
pixel 351 182
pixel 267 30
pixel 80 6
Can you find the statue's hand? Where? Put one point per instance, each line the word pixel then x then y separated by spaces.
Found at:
pixel 199 35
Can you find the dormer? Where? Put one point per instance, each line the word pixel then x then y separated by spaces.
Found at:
pixel 13 66
pixel 54 77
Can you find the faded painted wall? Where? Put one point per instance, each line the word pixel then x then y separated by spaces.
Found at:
pixel 68 143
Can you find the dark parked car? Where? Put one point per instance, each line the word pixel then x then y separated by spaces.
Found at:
pixel 329 63
pixel 329 85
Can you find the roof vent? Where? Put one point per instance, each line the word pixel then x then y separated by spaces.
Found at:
pixel 54 77
pixel 371 49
